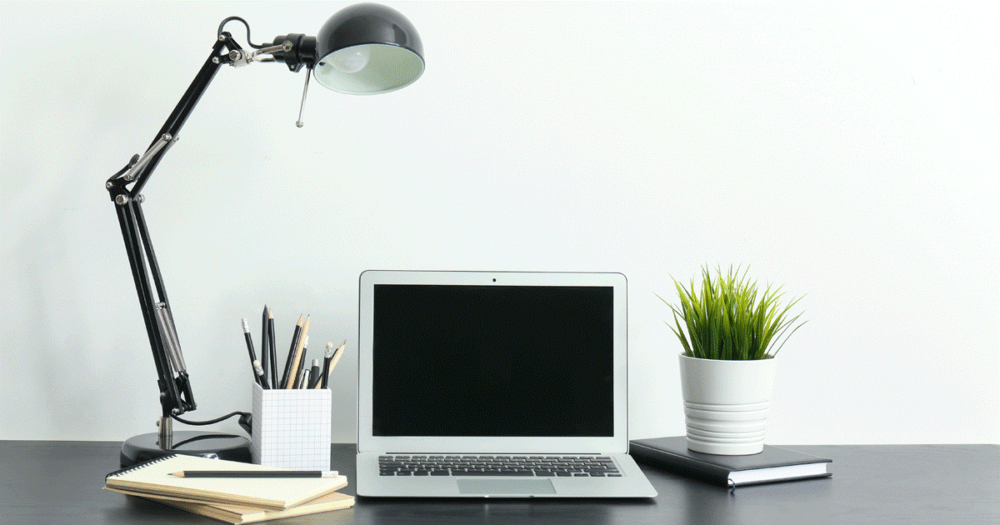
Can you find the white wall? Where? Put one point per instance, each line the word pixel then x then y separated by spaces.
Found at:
pixel 848 150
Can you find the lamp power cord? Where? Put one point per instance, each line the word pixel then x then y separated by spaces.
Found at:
pixel 245 421
pixel 238 19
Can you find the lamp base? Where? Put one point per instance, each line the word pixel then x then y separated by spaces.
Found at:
pixel 145 447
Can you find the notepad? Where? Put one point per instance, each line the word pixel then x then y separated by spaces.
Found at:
pixel 153 478
pixel 239 514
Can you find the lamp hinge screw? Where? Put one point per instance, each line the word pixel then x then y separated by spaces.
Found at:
pixel 140 199
pixel 215 60
pixel 121 200
pixel 109 185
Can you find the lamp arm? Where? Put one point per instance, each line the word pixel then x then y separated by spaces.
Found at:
pixel 175 389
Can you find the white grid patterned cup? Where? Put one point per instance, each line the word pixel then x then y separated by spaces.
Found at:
pixel 291 428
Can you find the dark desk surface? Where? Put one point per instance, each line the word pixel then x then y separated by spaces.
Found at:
pixel 55 482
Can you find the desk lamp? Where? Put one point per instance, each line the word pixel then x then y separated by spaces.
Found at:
pixel 362 49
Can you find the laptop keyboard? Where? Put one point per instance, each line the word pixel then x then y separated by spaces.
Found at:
pixel 541 466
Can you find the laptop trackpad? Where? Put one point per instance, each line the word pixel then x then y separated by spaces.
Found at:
pixel 505 486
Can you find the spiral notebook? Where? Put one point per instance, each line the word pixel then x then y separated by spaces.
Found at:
pixel 240 514
pixel 153 479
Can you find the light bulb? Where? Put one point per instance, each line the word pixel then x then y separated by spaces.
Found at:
pixel 350 60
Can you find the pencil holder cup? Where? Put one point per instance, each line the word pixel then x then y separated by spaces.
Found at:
pixel 291 428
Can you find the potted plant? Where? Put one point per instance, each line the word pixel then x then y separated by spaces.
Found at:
pixel 730 332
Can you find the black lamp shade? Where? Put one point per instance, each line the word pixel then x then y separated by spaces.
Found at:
pixel 367 49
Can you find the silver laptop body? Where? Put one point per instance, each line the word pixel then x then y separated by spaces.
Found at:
pixel 494 384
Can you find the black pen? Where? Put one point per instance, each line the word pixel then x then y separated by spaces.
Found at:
pixel 253 357
pixel 314 375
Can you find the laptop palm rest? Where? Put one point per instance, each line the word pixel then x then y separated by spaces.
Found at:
pixel 505 486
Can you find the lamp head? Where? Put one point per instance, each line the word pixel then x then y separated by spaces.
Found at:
pixel 368 48
pixel 362 49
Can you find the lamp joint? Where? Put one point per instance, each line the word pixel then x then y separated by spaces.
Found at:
pixel 240 58
pixel 295 50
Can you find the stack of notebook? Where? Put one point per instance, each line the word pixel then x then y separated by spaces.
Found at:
pixel 229 499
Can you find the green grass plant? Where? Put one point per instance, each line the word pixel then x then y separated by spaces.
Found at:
pixel 728 321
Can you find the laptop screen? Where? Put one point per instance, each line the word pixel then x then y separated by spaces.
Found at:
pixel 466 360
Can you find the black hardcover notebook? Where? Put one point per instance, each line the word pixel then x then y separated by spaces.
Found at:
pixel 772 465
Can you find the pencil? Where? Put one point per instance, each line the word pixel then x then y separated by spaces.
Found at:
pixel 297 358
pixel 255 474
pixel 274 353
pixel 303 378
pixel 265 354
pixel 332 361
pixel 325 380
pixel 259 371
pixel 246 335
pixel 291 353
pixel 304 371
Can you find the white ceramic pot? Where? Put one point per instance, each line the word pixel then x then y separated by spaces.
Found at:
pixel 726 404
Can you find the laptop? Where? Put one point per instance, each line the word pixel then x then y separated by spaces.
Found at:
pixel 494 384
